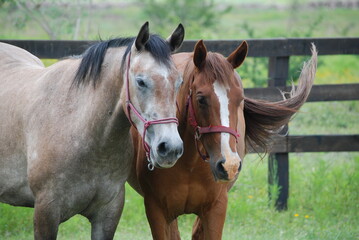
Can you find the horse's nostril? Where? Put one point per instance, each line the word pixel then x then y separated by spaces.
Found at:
pixel 219 165
pixel 221 172
pixel 240 166
pixel 167 150
pixel 162 149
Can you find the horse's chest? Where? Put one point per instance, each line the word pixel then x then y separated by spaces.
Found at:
pixel 190 198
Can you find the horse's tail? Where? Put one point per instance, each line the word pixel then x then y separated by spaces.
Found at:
pixel 264 119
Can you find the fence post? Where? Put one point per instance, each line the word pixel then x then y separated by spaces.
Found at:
pixel 278 164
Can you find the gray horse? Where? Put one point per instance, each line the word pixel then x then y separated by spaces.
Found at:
pixel 65 145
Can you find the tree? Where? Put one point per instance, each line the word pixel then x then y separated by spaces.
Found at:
pixel 56 18
pixel 194 13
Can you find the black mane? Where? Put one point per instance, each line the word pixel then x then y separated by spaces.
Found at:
pixel 90 66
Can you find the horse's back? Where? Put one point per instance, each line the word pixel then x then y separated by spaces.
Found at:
pixel 14 56
pixel 181 60
pixel 18 71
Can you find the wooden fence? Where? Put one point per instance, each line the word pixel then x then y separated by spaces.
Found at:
pixel 279 52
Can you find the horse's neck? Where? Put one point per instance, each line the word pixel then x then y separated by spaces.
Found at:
pixel 182 60
pixel 103 111
pixel 186 131
pixel 111 95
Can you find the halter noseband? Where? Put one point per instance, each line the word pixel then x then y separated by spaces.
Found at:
pixel 204 130
pixel 147 124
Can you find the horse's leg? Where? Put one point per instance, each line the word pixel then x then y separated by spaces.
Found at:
pixel 46 218
pixel 104 222
pixel 174 230
pixel 160 226
pixel 210 224
pixel 197 230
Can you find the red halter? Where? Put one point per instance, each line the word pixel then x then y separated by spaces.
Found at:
pixel 146 123
pixel 204 130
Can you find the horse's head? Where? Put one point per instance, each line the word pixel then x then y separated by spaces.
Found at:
pixel 152 85
pixel 217 104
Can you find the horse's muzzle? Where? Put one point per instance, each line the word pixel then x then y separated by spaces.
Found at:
pixel 168 152
pixel 226 171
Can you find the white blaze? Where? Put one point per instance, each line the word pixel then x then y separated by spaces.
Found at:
pixel 221 93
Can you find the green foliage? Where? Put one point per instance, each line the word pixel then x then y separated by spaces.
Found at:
pixel 253 72
pixel 255 69
pixel 2 2
pixel 338 69
pixel 323 118
pixel 297 61
pixel 273 186
pixel 194 13
pixel 57 19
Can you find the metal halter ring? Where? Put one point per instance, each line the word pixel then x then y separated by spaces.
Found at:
pixel 197 135
pixel 150 165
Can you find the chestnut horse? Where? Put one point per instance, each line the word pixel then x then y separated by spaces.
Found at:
pixel 216 120
pixel 65 144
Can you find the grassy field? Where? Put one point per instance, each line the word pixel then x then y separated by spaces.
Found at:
pixel 323 204
pixel 324 187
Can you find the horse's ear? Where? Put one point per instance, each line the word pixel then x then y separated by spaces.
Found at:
pixel 176 38
pixel 200 53
pixel 142 37
pixel 237 57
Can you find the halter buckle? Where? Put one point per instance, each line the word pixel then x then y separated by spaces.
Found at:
pixel 150 166
pixel 197 135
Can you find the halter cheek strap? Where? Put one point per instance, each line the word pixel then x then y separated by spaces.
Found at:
pixel 204 130
pixel 146 123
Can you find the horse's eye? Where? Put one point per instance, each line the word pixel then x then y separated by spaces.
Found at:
pixel 141 83
pixel 202 100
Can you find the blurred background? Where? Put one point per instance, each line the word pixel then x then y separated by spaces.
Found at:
pixel 324 187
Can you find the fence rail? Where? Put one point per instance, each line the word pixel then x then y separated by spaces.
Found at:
pixel 319 93
pixel 281 47
pixel 279 52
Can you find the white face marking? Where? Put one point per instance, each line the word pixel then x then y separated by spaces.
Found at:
pixel 221 93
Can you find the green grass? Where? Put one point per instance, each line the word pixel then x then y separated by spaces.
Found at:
pixel 324 187
pixel 323 204
pixel 323 201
